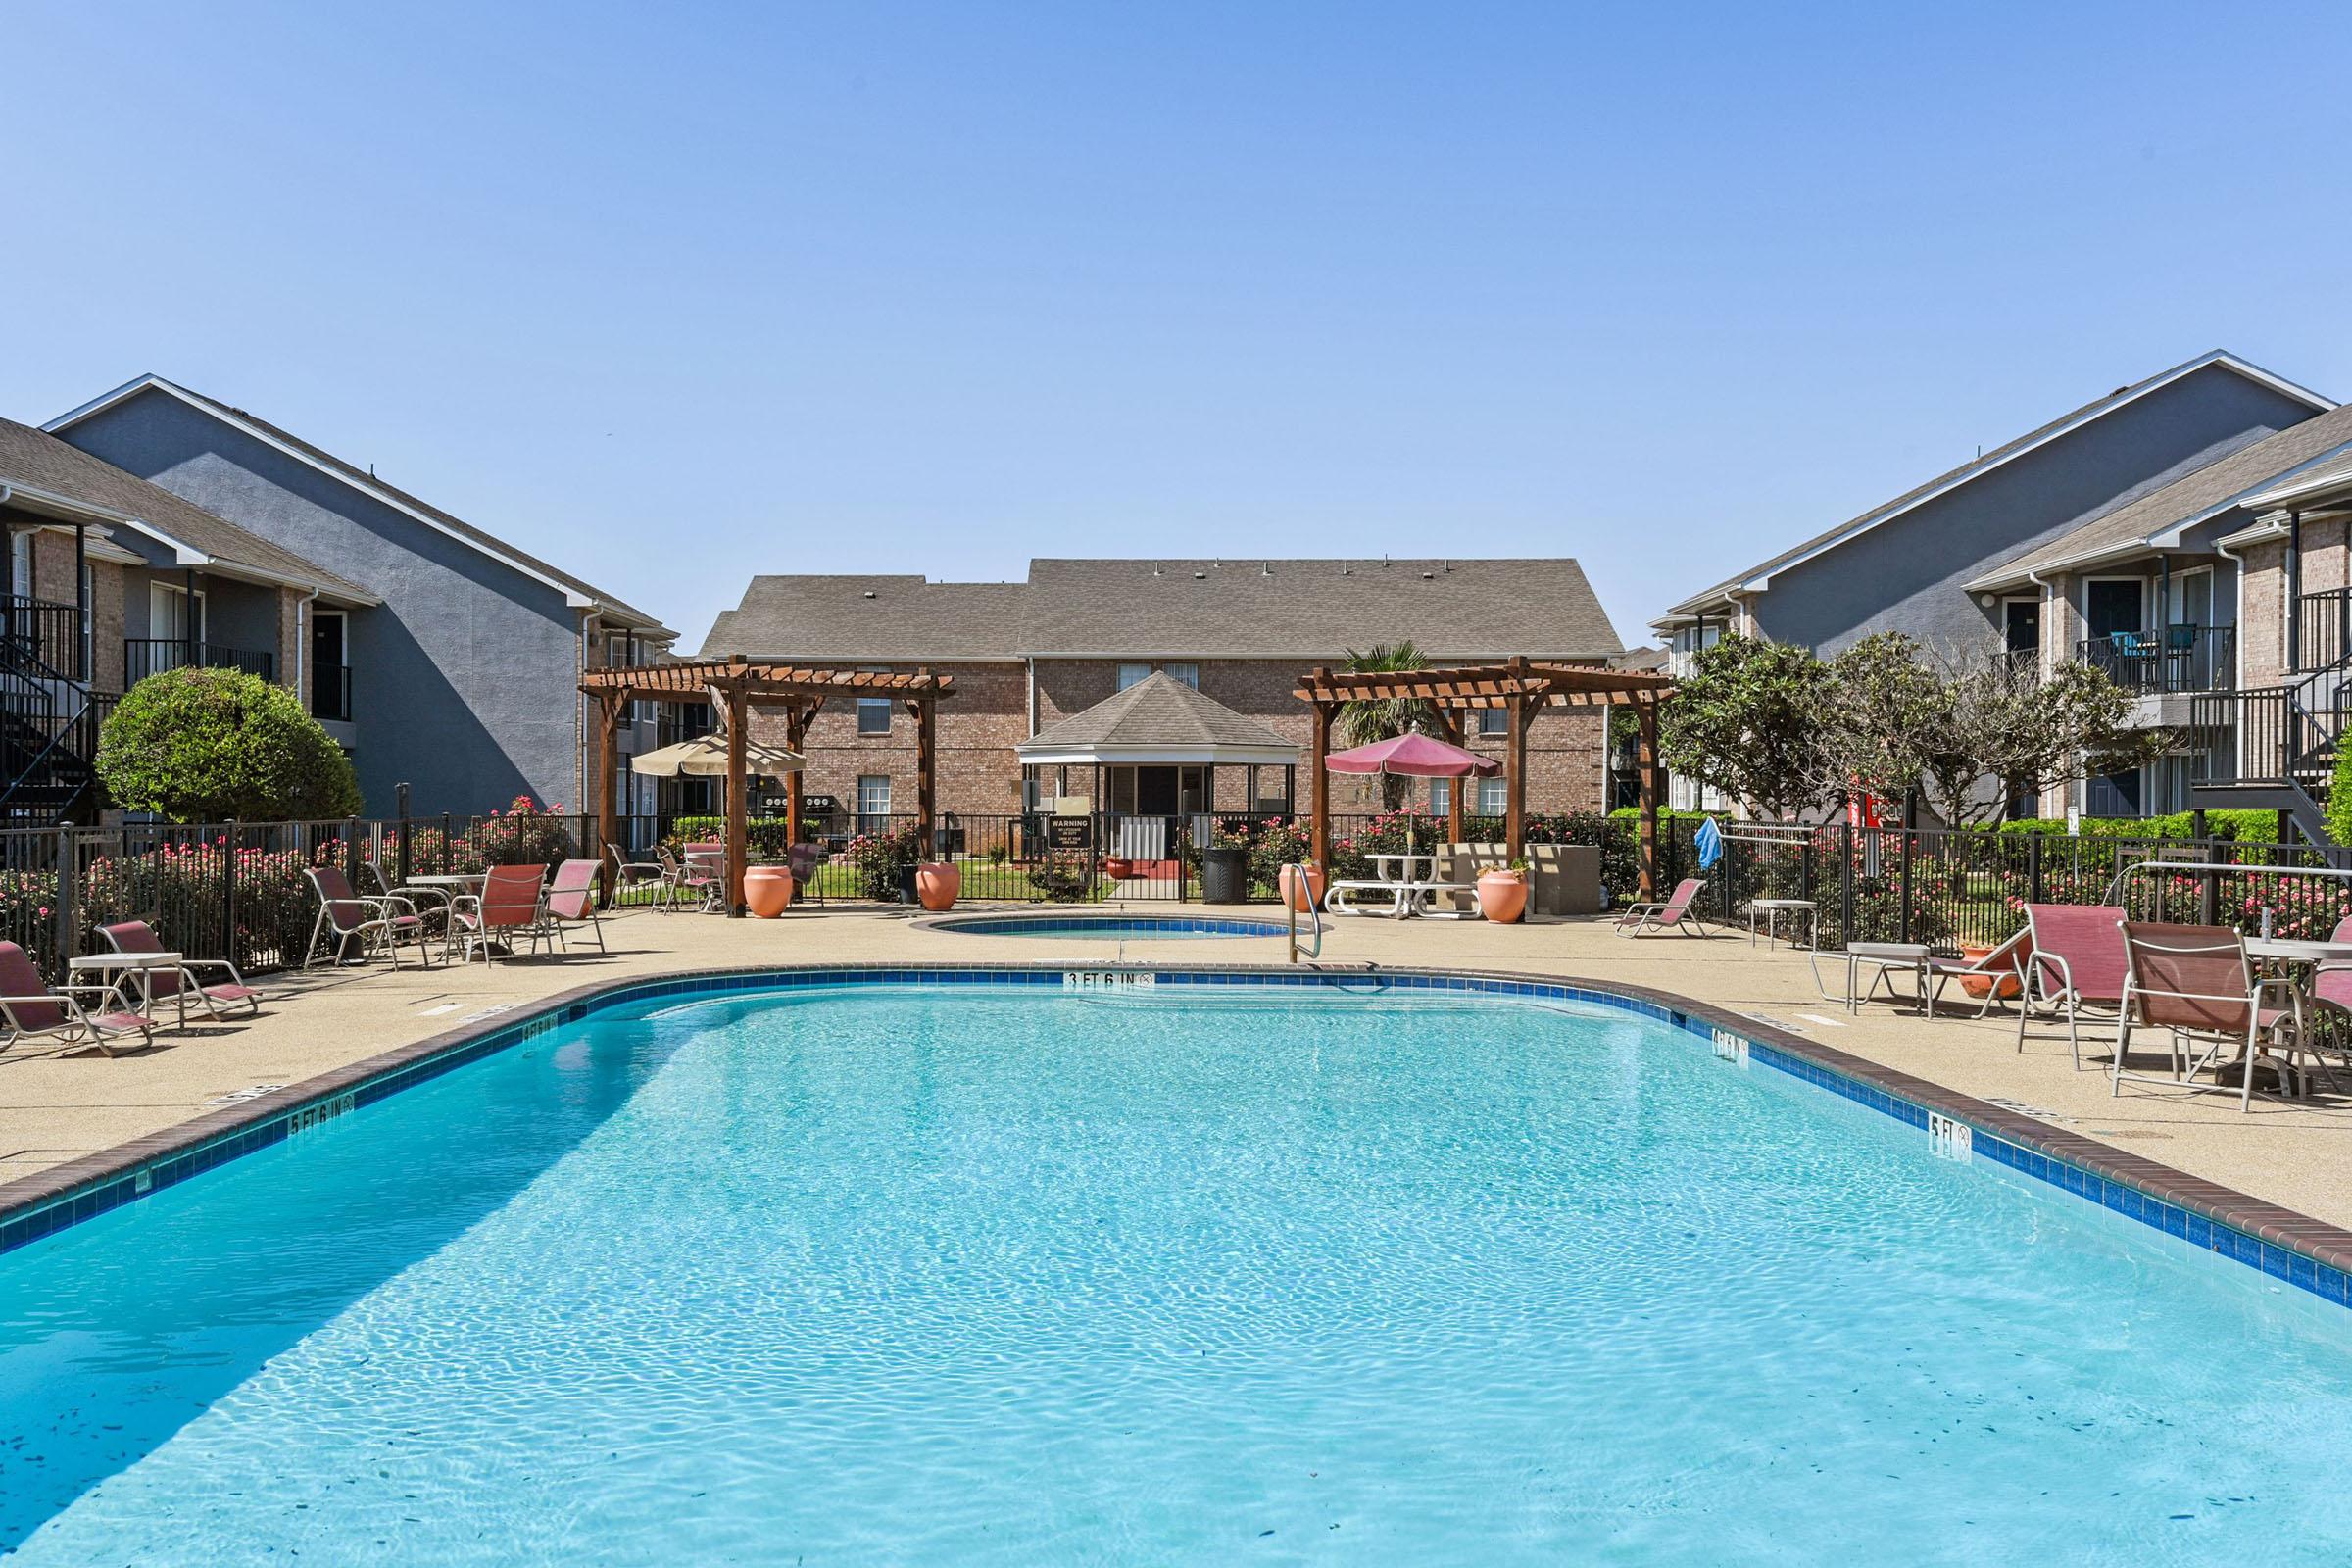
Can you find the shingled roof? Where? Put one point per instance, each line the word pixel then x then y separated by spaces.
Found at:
pixel 38 464
pixel 2213 493
pixel 1951 479
pixel 1456 610
pixel 1159 718
pixel 864 618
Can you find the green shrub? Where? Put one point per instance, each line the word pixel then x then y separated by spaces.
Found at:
pixel 221 745
pixel 765 834
pixel 2339 797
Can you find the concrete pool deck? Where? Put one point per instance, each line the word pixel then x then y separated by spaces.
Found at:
pixel 58 1105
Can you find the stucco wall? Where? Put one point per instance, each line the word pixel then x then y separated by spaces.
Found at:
pixel 464 682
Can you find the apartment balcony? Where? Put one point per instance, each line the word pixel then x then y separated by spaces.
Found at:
pixel 2323 628
pixel 149 656
pixel 2164 668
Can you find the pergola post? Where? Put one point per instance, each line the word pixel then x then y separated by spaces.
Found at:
pixel 1514 768
pixel 739 828
pixel 1319 845
pixel 607 787
pixel 1645 764
pixel 926 761
pixel 1452 720
pixel 796 735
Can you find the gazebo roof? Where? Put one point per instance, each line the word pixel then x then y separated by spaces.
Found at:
pixel 1158 719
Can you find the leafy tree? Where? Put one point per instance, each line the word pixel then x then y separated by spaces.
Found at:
pixel 1367 719
pixel 2002 719
pixel 1888 717
pixel 2340 796
pixel 218 746
pixel 1751 718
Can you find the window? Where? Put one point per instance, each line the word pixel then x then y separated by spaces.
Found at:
pixel 1129 674
pixel 873 716
pixel 1493 797
pixel 873 795
pixel 1190 674
pixel 1441 795
pixel 1493 721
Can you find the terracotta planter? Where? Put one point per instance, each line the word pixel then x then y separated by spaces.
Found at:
pixel 767 890
pixel 1313 890
pixel 1980 985
pixel 1503 896
pixel 937 884
pixel 1119 870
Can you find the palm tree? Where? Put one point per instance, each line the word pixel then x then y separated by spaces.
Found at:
pixel 1368 718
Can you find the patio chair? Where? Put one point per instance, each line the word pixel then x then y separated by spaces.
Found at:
pixel 2194 982
pixel 430 903
pixel 183 980
pixel 31 1009
pixel 509 908
pixel 572 901
pixel 1674 913
pixel 631 874
pixel 704 874
pixel 2076 960
pixel 379 922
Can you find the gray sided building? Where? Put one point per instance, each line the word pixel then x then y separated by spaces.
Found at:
pixel 1926 563
pixel 462 679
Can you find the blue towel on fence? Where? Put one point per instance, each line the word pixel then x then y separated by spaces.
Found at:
pixel 1708 840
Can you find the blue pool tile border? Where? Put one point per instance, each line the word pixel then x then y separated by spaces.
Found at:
pixel 2291 1247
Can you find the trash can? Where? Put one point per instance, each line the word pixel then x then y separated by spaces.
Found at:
pixel 1224 875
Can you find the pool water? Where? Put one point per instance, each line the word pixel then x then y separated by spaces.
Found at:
pixel 927 1276
pixel 1124 928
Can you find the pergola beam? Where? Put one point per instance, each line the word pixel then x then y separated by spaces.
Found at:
pixel 1519 687
pixel 735 685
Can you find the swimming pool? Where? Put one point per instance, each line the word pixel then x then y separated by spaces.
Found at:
pixel 1151 1272
pixel 1111 927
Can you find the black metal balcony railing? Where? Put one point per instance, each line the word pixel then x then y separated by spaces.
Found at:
pixel 2173 659
pixel 2266 736
pixel 2323 628
pixel 330 692
pixel 147 656
pixel 43 634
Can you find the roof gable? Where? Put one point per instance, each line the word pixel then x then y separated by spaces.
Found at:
pixel 1759 577
pixel 577 592
pixel 1157 714
pixel 43 469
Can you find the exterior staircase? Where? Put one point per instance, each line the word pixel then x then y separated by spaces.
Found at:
pixel 2274 747
pixel 49 718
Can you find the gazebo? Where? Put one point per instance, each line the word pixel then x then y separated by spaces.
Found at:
pixel 1519 687
pixel 735 685
pixel 1153 751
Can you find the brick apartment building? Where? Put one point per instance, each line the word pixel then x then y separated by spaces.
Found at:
pixel 1028 655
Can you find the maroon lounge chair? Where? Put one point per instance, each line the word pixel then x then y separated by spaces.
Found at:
pixel 2195 983
pixel 507 910
pixel 29 1008
pixel 572 901
pixel 2077 961
pixel 1674 913
pixel 182 981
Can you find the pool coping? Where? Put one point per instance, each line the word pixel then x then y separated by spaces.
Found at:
pixel 2286 1244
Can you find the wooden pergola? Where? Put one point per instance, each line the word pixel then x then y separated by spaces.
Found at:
pixel 735 685
pixel 1519 687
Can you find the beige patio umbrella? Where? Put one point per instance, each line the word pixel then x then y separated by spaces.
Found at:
pixel 706 757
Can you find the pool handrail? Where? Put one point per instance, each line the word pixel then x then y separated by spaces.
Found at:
pixel 1294 876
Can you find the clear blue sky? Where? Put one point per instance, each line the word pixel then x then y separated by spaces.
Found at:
pixel 672 294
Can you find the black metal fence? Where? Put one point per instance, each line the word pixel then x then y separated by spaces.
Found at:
pixel 240 891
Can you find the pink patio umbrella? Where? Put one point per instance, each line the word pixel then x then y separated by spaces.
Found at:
pixel 1413 754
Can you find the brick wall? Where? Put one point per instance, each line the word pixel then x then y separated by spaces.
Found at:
pixel 2262 614
pixel 979 726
